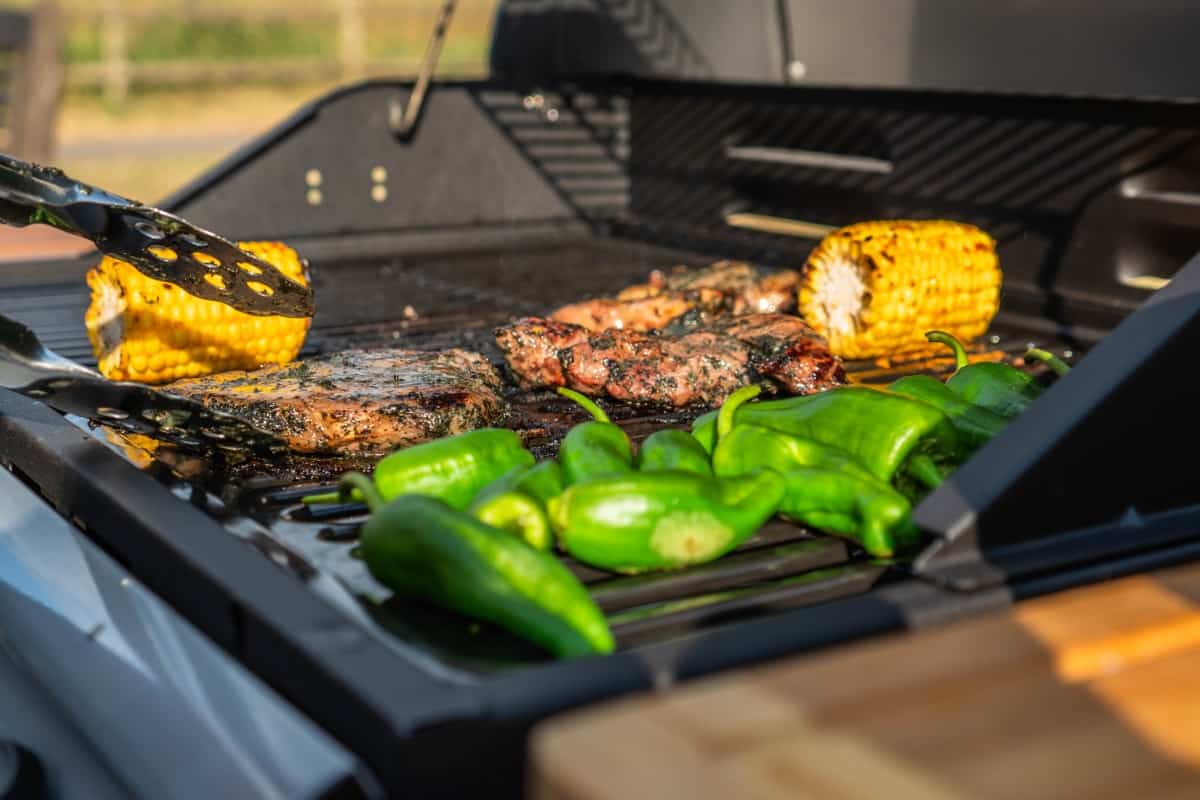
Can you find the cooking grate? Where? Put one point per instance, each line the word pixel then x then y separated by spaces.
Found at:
pixel 456 300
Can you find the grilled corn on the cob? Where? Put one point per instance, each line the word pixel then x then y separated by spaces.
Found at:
pixel 873 288
pixel 148 331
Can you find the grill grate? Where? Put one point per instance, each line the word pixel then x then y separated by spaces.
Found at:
pixel 458 299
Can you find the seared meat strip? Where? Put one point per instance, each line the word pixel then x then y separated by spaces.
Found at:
pixel 531 347
pixel 786 349
pixel 697 359
pixel 361 402
pixel 645 313
pixel 747 290
pixel 729 286
pixel 701 368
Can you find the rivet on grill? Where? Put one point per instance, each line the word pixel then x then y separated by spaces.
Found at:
pixel 797 70
pixel 533 101
pixel 379 174
pixel 112 413
pixel 379 193
pixel 313 197
pixel 148 230
pixel 552 115
pixel 313 178
pixel 994 339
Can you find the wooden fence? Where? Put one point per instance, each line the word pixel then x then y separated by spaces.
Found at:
pixel 116 72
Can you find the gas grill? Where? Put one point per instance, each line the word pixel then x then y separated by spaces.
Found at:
pixel 512 198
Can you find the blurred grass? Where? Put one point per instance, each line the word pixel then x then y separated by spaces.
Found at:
pixel 165 38
pixel 147 178
pixel 164 30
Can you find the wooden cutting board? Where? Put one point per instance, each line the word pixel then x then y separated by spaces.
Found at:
pixel 1092 693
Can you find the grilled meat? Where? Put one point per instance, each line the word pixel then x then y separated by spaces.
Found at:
pixel 697 359
pixel 729 286
pixel 747 290
pixel 646 313
pixel 531 347
pixel 697 368
pixel 361 402
pixel 785 349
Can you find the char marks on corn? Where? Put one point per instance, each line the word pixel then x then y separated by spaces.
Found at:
pixel 361 402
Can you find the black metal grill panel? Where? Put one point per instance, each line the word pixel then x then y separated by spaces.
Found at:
pixel 1045 178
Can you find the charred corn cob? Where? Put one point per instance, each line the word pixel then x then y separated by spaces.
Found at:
pixel 873 288
pixel 148 331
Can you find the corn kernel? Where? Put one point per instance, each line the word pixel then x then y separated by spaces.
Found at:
pixel 873 289
pixel 144 330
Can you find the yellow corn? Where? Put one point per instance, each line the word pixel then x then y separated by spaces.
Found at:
pixel 874 288
pixel 149 331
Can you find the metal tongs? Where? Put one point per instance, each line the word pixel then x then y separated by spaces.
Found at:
pixel 167 249
pixel 27 367
pixel 158 244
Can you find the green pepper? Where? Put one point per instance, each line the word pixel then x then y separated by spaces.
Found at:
pixel 673 450
pixel 422 548
pixel 516 502
pixel 904 442
pixel 593 448
pixel 541 481
pixel 976 424
pixel 999 388
pixel 517 513
pixel 824 487
pixel 661 520
pixel 452 469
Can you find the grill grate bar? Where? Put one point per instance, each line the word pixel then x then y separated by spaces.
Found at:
pixel 740 569
pixel 676 617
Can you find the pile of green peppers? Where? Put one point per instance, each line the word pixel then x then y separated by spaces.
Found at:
pixel 471 522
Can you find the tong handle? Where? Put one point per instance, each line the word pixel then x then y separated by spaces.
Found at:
pixel 31 193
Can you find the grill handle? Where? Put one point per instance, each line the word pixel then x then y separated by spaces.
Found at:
pixel 404 120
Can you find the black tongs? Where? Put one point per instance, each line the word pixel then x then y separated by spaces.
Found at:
pixel 158 244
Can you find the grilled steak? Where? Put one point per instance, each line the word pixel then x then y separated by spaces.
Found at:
pixel 729 286
pixel 696 360
pixel 361 402
pixel 697 368
pixel 784 348
pixel 531 346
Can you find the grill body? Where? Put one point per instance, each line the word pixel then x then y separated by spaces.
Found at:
pixel 511 199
